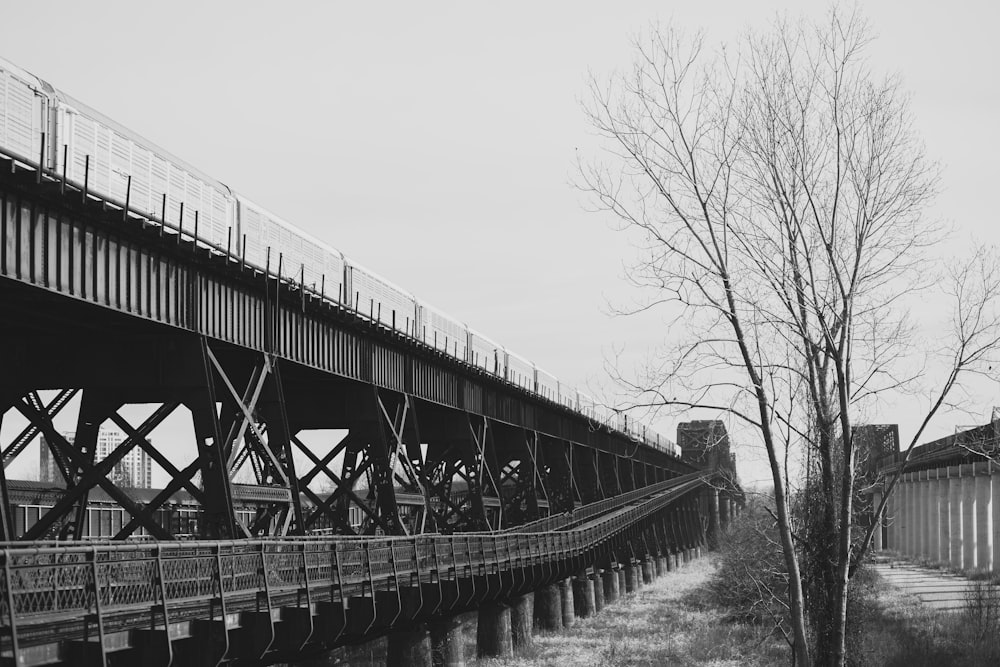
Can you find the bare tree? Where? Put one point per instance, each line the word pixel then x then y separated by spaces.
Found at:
pixel 779 190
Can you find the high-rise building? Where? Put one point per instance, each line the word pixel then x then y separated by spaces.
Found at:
pixel 48 470
pixel 134 470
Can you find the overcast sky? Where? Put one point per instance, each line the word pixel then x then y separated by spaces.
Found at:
pixel 435 142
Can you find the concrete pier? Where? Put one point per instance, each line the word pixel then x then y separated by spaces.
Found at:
pixel 995 526
pixel 877 535
pixel 448 641
pixel 583 595
pixel 968 518
pixel 493 636
pixel 566 593
pixel 410 646
pixel 548 608
pixel 984 518
pixel 647 570
pixel 522 621
pixel 944 518
pixel 955 517
pixel 610 577
pixel 631 578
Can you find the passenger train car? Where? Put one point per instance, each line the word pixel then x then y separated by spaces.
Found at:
pixel 42 126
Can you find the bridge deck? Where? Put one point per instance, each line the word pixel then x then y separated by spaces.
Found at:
pixel 109 598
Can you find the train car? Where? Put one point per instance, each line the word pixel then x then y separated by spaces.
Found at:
pixel 24 113
pixel 486 354
pixel 120 165
pixel 567 396
pixel 376 298
pixel 546 384
pixel 520 372
pixel 441 332
pixel 267 241
pixel 587 405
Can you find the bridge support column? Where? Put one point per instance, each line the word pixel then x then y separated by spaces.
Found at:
pixel 932 518
pixel 622 575
pixel 548 608
pixel 995 487
pixel 610 577
pixel 892 520
pixel 906 514
pixel 448 641
pixel 411 646
pixel 713 518
pixel 631 578
pixel 647 570
pixel 521 621
pixel 493 636
pixel 943 517
pixel 598 583
pixel 923 537
pixel 955 516
pixel 984 518
pixel 583 595
pixel 968 518
pixel 877 534
pixel 930 515
pixel 566 595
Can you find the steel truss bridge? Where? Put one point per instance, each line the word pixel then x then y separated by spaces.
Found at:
pixel 113 309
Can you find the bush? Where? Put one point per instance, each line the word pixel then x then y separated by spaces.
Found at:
pixel 751 578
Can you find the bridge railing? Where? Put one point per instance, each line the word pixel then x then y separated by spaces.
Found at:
pixel 40 586
pixel 590 510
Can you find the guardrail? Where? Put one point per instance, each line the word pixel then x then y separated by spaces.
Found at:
pixel 48 593
pixel 565 519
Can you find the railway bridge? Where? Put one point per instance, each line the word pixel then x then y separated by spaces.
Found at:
pixel 472 491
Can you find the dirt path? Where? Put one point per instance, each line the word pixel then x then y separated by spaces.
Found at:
pixel 934 588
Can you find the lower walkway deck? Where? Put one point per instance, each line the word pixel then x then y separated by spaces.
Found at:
pixel 936 589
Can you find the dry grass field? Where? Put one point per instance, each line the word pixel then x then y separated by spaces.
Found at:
pixel 670 622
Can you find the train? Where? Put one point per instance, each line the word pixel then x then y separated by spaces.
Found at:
pixel 47 129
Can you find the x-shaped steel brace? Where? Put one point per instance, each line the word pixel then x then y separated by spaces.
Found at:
pixel 91 476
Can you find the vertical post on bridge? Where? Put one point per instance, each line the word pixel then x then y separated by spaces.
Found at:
pixel 954 516
pixel 724 513
pixel 995 502
pixel 984 518
pixel 713 517
pixel 943 517
pixel 876 500
pixel 968 517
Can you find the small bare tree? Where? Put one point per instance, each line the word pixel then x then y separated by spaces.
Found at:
pixel 779 190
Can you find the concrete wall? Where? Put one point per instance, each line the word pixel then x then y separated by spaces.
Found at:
pixel 947 515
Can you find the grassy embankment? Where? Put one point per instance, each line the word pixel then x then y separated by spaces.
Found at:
pixel 676 621
pixel 670 622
